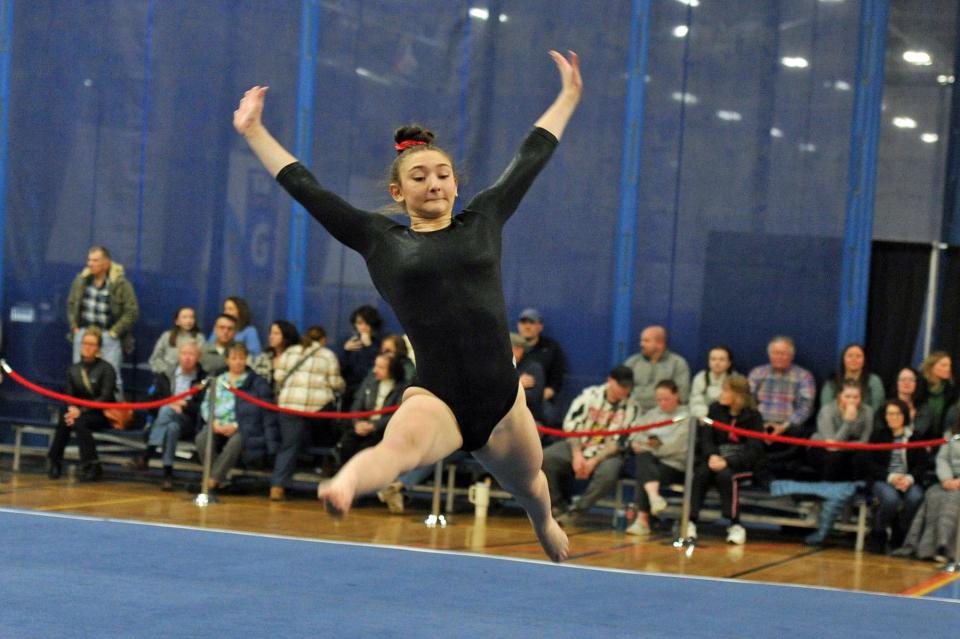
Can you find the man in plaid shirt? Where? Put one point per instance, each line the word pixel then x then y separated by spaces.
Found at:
pixel 102 296
pixel 785 394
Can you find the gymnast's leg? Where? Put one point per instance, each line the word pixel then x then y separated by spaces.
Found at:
pixel 422 431
pixel 514 455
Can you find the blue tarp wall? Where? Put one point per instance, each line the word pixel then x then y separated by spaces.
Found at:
pixel 120 134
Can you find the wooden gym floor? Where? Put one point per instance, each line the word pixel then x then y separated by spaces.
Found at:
pixel 769 556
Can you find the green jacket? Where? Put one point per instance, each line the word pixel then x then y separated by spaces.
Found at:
pixel 124 309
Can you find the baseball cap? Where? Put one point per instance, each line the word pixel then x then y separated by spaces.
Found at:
pixel 531 315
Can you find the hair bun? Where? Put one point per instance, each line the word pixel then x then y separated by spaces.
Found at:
pixel 413 133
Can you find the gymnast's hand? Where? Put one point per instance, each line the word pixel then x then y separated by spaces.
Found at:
pixel 569 73
pixel 247 116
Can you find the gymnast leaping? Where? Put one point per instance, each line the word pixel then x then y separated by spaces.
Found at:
pixel 441 275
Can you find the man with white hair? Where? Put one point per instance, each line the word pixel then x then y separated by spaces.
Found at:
pixel 785 394
pixel 177 420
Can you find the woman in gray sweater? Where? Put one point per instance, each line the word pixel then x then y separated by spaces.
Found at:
pixel 847 419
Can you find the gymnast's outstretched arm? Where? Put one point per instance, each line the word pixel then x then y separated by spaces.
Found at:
pixel 247 122
pixel 555 118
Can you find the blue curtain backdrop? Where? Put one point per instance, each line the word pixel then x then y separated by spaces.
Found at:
pixel 120 135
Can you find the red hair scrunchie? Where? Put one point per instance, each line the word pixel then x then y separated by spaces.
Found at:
pixel 406 144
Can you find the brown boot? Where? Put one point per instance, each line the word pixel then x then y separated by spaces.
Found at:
pixel 276 493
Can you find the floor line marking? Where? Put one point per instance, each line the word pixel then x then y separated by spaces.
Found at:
pixel 929 585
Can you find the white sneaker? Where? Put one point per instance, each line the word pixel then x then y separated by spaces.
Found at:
pixel 691 530
pixel 638 527
pixel 657 505
pixel 736 534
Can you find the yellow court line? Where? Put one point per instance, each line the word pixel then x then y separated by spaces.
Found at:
pixel 931 584
pixel 88 504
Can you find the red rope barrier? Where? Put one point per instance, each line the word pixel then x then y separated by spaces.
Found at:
pixel 92 404
pixel 314 415
pixel 598 433
pixel 819 443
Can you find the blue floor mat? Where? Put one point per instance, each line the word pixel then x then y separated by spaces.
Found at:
pixel 75 577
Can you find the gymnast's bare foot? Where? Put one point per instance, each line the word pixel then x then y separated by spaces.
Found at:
pixel 554 541
pixel 336 497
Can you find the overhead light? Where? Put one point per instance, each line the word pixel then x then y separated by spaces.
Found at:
pixel 794 62
pixel 929 138
pixel 374 77
pixel 945 79
pixel 919 58
pixel 776 133
pixel 690 3
pixel 807 147
pixel 479 13
pixel 729 116
pixel 504 17
pixel 681 31
pixel 904 122
pixel 841 85
pixel 686 98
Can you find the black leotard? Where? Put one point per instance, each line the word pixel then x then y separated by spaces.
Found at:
pixel 445 286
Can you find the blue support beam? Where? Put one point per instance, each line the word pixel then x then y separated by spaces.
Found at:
pixel 625 253
pixel 6 50
pixel 306 89
pixel 862 177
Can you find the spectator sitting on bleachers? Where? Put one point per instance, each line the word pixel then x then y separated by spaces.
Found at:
pixel 213 359
pixel 307 379
pixel 846 419
pixel 166 352
pixel 94 379
pixel 238 309
pixel 533 379
pixel 654 363
pixel 937 389
pixel 548 352
pixel 597 458
pixel 708 383
pixel 396 346
pixel 659 454
pixel 383 387
pixel 909 392
pixel 933 533
pixel 785 395
pixel 178 420
pixel 894 476
pixel 721 455
pixel 282 336
pixel 241 430
pixel 853 367
pixel 361 349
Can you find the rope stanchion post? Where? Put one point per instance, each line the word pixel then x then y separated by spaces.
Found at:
pixel 436 518
pixel 682 540
pixel 204 498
